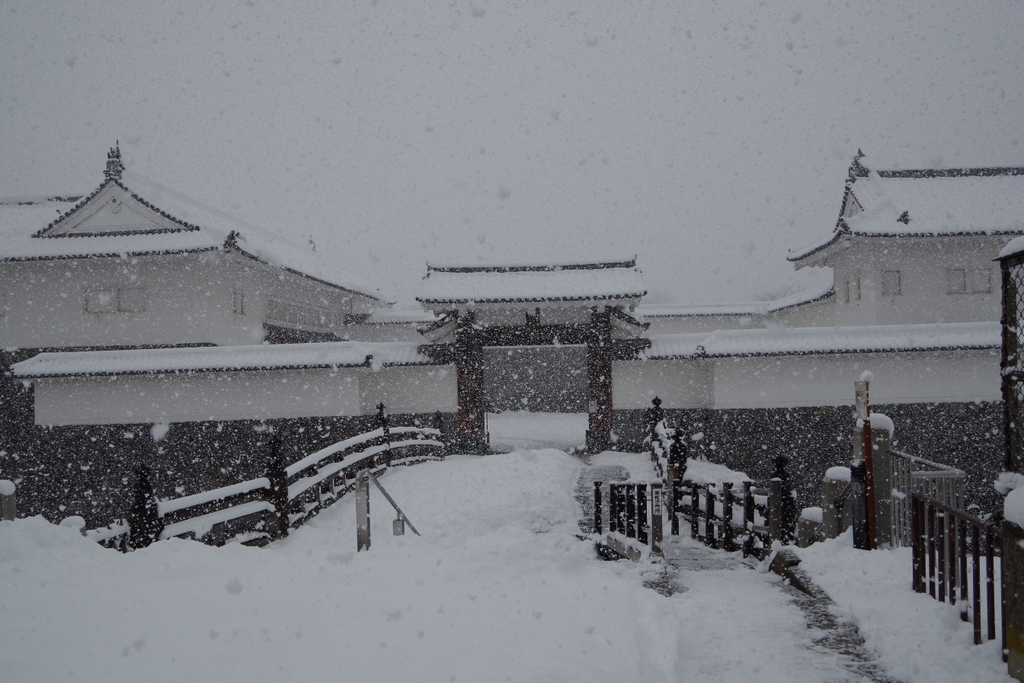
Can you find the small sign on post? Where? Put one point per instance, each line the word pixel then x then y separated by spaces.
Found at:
pixel 657 528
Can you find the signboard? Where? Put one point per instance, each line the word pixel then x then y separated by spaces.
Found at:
pixel 861 400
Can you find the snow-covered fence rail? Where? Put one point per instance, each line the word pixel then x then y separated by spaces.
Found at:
pixel 264 509
pixel 933 480
pixel 951 552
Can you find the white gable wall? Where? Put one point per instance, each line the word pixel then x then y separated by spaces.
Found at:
pixel 49 302
pixel 155 300
pixel 923 264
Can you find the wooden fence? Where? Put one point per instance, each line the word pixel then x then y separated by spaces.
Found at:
pixel 719 516
pixel 264 509
pixel 952 552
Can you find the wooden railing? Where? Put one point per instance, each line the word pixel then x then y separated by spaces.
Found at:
pixel 720 517
pixel 911 474
pixel 260 510
pixel 952 551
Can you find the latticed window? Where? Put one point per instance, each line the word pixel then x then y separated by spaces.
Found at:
pixel 1012 363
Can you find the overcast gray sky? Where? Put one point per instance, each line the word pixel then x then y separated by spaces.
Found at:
pixel 706 138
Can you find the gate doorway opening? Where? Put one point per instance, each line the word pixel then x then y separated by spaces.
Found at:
pixel 535 396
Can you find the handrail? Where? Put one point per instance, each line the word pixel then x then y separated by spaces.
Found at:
pixel 276 496
pixel 938 466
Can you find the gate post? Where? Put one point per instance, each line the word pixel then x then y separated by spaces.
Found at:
pixel 1013 598
pixel 472 436
pixel 599 370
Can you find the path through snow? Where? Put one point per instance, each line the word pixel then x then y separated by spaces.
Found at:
pixel 498 588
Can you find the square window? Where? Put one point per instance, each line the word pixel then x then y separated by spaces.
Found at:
pixel 891 285
pixel 131 300
pixel 981 280
pixel 956 281
pixel 101 301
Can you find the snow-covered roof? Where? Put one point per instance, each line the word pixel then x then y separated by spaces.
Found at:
pixel 577 282
pixel 745 308
pixel 925 203
pixel 131 215
pixel 220 358
pixel 400 316
pixel 1015 246
pixel 818 340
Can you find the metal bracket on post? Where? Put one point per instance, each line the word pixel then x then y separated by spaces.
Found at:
pixel 363 511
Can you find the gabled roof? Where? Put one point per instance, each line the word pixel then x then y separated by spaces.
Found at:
pixel 820 292
pixel 927 203
pixel 128 215
pixel 538 283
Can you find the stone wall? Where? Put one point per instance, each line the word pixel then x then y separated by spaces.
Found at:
pixel 964 435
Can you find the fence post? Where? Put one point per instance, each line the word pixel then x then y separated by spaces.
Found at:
pixel 631 510
pixel 729 542
pixel 748 519
pixel 277 495
pixel 439 426
pixel 859 506
pixel 676 495
pixel 781 505
pixel 363 511
pixel 641 514
pixel 597 508
pixel 382 420
pixel 835 517
pixel 144 523
pixel 655 415
pixel 881 439
pixel 677 456
pixel 917 526
pixel 694 511
pixel 613 508
pixel 8 501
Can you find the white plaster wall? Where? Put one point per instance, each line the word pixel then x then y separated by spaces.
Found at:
pixel 793 381
pixel 410 389
pixel 678 383
pixel 200 396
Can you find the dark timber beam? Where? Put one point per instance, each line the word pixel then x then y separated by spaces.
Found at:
pixel 472 436
pixel 599 367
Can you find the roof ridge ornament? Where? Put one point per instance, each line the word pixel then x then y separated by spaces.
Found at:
pixel 114 164
pixel 857 169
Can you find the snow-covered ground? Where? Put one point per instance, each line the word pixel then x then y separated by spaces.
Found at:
pixel 498 588
pixel 514 430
